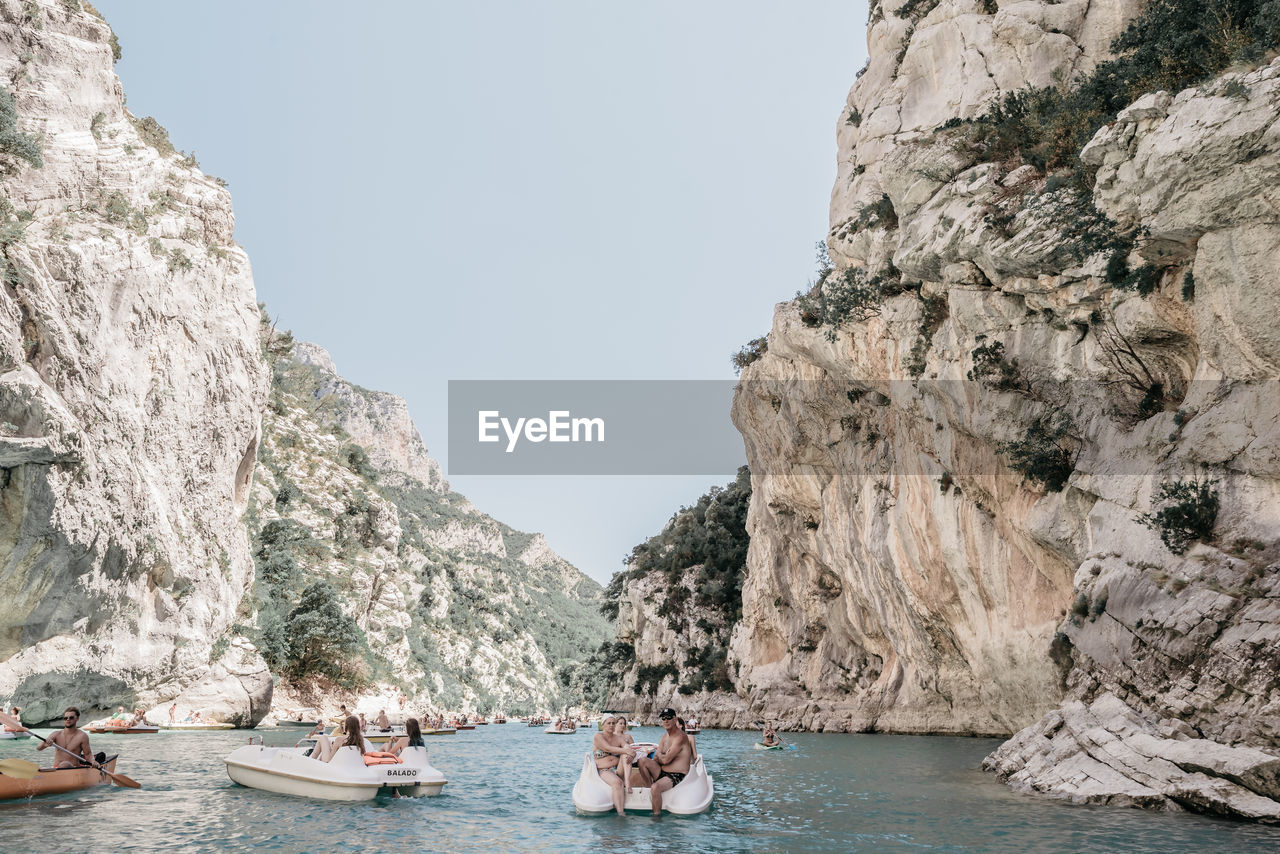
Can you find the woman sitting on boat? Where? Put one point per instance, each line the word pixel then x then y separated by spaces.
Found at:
pixel 411 738
pixel 326 748
pixel 611 751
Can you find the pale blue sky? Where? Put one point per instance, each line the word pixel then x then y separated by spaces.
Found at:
pixel 514 190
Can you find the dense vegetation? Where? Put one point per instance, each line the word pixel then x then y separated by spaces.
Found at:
pixel 332 517
pixel 1170 45
pixel 699 562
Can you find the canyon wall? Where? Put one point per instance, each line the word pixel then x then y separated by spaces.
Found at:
pixel 131 388
pixel 175 478
pixel 455 610
pixel 1016 455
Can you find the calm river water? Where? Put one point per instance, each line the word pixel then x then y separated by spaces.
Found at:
pixel 509 791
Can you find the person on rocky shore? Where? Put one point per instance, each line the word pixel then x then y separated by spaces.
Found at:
pixel 71 739
pixel 670 762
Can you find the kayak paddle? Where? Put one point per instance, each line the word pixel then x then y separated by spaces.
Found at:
pixel 118 779
pixel 19 768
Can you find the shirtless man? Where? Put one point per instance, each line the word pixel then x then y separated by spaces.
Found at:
pixel 382 722
pixel 72 739
pixel 670 763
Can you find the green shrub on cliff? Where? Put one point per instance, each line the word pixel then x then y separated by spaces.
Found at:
pixel 750 352
pixel 1171 45
pixel 1043 455
pixel 1185 512
pixel 14 144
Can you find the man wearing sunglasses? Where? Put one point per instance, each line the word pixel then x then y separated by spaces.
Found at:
pixel 670 762
pixel 72 739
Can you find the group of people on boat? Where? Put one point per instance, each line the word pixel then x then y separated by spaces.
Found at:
pixel 352 735
pixel 658 769
pixel 124 720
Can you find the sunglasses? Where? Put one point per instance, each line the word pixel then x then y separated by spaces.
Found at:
pixel 70 717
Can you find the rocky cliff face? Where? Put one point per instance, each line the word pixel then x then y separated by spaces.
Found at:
pixel 130 393
pixel 1012 361
pixel 676 605
pixel 456 610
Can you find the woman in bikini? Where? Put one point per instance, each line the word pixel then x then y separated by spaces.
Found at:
pixel 411 738
pixel 610 748
pixel 325 749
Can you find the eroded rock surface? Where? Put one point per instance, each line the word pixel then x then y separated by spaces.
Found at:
pixel 131 388
pixel 902 576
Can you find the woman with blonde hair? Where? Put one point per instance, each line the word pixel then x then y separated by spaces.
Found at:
pixel 325 749
pixel 610 750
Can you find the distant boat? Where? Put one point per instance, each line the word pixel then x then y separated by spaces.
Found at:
pixel 292 722
pixel 444 731
pixel 123 730
pixel 197 725
pixel 563 729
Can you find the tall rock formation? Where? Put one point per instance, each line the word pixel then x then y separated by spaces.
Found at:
pixel 131 388
pixel 676 605
pixel 148 527
pixel 1015 358
pixel 455 609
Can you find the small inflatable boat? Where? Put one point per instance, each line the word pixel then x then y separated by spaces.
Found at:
pixel 8 733
pixel 289 771
pixel 692 795
pixel 760 745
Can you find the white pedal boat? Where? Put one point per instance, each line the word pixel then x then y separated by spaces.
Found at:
pixel 288 771
pixel 6 734
pixel 692 795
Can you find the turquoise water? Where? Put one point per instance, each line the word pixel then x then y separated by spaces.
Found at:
pixel 509 791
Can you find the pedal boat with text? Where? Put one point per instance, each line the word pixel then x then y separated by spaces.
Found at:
pixel 692 795
pixel 289 771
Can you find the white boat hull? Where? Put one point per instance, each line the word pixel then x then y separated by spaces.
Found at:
pixel 693 795
pixel 287 771
pixel 5 734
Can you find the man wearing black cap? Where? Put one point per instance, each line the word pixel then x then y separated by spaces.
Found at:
pixel 670 763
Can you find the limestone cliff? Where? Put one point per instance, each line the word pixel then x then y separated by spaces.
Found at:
pixel 1015 455
pixel 676 605
pixel 454 609
pixel 130 394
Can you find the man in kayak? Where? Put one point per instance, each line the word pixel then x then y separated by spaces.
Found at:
pixel 770 737
pixel 670 762
pixel 72 739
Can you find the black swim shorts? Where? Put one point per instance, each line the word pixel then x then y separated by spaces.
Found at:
pixel 675 777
